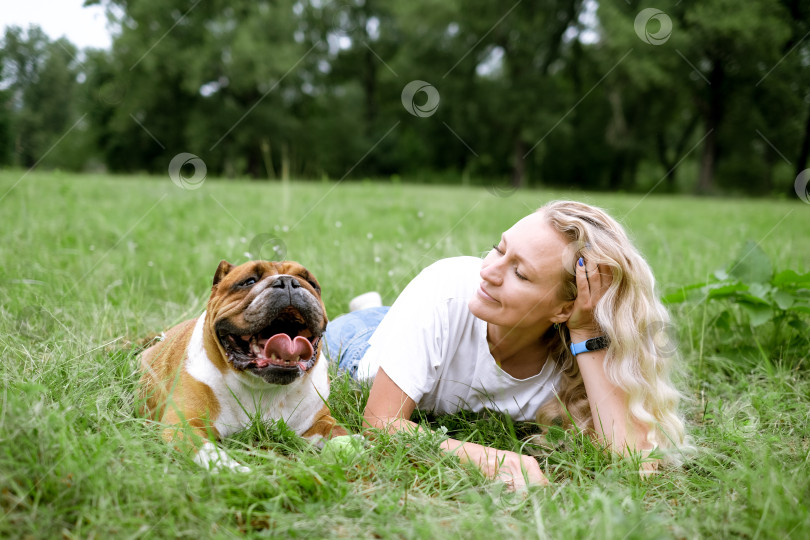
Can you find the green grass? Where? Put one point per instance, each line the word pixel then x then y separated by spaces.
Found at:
pixel 91 264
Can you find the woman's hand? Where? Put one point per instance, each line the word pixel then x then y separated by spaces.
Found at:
pixel 515 470
pixel 591 286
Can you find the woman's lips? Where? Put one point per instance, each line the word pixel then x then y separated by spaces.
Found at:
pixel 483 294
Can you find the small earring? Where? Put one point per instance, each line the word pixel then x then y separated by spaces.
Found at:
pixel 556 326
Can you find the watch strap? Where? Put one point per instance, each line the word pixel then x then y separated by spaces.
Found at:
pixel 593 344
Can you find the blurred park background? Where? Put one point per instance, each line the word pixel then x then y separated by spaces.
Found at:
pixel 707 97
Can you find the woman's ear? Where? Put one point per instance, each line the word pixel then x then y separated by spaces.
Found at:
pixel 563 312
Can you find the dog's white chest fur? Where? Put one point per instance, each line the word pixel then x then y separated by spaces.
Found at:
pixel 243 397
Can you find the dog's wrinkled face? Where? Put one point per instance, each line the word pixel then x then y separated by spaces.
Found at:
pixel 268 318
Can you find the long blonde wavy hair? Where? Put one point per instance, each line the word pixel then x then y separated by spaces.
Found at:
pixel 641 355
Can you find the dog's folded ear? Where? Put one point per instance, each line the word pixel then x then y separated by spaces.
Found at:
pixel 222 271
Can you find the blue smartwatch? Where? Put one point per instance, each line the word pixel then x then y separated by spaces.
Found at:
pixel 593 344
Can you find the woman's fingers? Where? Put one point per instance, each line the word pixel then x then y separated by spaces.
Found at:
pixel 534 474
pixel 583 286
pixel 592 282
pixel 600 279
pixel 518 471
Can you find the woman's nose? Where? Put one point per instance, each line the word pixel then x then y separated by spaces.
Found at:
pixel 491 272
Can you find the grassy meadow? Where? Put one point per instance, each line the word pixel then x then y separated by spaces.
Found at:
pixel 91 265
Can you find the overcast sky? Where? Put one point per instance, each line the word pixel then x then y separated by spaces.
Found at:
pixel 83 26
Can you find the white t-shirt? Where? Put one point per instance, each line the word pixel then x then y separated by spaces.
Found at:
pixel 436 350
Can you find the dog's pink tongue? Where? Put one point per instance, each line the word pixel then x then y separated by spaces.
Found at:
pixel 288 349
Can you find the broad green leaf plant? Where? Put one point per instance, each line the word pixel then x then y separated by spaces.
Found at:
pixel 761 294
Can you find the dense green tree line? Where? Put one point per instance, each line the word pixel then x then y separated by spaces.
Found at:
pixel 682 96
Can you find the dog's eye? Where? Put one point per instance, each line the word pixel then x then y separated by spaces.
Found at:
pixel 248 282
pixel 314 285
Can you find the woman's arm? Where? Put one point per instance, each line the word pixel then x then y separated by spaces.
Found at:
pixel 389 408
pixel 609 403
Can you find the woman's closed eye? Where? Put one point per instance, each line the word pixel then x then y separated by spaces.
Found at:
pixel 500 251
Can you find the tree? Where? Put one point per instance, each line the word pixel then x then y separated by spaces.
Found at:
pixel 796 51
pixel 709 66
pixel 530 92
pixel 40 97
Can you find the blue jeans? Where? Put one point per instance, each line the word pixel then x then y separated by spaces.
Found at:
pixel 346 338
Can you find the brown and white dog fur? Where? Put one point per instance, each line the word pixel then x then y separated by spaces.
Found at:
pixel 254 352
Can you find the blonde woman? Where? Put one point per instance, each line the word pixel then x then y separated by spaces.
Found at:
pixel 559 322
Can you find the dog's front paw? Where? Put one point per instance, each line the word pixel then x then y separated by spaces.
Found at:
pixel 318 441
pixel 215 459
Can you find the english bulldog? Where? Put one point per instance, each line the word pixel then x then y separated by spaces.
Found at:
pixel 255 352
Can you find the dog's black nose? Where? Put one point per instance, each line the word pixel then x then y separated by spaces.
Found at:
pixel 285 282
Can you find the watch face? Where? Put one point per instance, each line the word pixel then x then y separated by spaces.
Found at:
pixel 597 343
